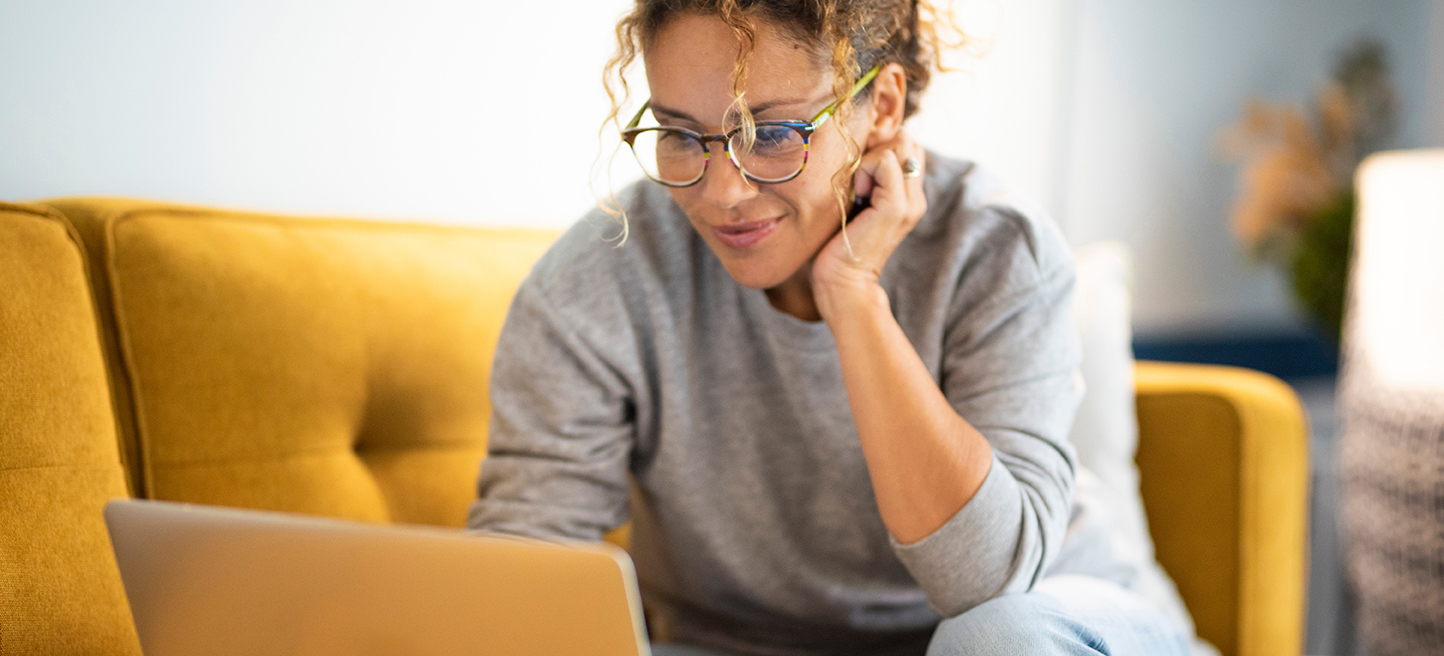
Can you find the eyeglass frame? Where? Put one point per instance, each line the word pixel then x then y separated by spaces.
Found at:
pixel 629 135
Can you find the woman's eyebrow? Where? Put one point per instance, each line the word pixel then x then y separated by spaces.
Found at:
pixel 761 108
pixel 672 113
pixel 756 109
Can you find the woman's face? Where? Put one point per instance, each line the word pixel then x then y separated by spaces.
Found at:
pixel 763 233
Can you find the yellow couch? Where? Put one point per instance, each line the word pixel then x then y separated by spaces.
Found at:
pixel 340 368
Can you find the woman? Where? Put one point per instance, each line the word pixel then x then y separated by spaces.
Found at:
pixel 827 440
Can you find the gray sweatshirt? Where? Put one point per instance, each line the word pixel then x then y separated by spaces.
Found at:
pixel 641 382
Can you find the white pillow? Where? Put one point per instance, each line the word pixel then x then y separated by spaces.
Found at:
pixel 1105 431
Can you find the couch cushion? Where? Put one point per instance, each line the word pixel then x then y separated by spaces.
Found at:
pixel 319 366
pixel 60 592
pixel 1105 430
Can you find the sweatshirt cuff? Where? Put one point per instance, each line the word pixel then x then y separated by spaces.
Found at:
pixel 973 556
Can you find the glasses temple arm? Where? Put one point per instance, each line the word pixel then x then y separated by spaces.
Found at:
pixel 826 113
pixel 636 120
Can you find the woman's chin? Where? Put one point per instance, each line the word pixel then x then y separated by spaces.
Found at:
pixel 753 276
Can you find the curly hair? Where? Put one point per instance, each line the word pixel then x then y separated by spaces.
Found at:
pixel 847 36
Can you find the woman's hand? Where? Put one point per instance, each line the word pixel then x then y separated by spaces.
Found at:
pixel 839 278
pixel 926 462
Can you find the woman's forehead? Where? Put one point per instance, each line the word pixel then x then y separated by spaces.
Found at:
pixel 691 61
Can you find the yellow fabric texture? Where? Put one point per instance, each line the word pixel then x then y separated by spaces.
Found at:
pixel 89 220
pixel 1223 462
pixel 321 366
pixel 60 592
pixel 340 368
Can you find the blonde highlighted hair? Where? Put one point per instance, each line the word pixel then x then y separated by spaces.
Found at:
pixel 847 36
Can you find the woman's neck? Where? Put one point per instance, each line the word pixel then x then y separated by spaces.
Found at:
pixel 794 295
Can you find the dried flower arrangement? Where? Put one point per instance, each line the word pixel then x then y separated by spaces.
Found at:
pixel 1295 204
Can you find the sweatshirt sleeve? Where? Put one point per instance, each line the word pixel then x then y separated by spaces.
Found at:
pixel 561 433
pixel 1010 359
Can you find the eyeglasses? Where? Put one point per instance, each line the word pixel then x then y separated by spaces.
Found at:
pixel 678 157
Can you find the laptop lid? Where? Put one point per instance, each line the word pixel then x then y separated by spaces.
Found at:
pixel 211 580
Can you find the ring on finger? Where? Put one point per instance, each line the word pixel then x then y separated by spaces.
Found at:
pixel 912 168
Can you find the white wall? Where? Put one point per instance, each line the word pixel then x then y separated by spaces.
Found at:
pixel 437 110
pixel 1154 83
pixel 1001 104
pixel 1434 109
pixel 442 110
pixel 487 113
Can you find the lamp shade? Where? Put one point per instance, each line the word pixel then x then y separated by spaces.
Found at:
pixel 1398 277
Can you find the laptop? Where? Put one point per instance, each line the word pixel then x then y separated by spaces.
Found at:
pixel 211 580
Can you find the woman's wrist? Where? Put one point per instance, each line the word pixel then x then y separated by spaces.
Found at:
pixel 839 301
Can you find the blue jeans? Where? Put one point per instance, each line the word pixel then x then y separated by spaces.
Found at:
pixel 1062 615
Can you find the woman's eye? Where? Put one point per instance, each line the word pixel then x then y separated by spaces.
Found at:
pixel 675 141
pixel 776 139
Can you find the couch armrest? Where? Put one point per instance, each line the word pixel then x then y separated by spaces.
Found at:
pixel 1223 465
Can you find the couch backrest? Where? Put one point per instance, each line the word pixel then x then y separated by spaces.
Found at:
pixel 60 592
pixel 321 366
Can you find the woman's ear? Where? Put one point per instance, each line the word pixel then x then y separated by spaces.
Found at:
pixel 889 98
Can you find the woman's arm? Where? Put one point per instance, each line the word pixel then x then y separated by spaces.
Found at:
pixel 561 433
pixel 971 469
pixel 925 460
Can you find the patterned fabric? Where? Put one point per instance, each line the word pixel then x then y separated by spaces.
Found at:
pixel 1393 512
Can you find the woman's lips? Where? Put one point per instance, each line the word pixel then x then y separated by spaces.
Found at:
pixel 747 233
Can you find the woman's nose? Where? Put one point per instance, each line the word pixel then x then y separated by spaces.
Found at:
pixel 723 183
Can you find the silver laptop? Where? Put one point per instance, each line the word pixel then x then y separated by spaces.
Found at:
pixel 209 580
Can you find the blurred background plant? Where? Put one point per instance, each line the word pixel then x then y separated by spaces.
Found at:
pixel 1295 203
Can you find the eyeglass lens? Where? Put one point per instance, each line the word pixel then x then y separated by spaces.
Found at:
pixel 676 157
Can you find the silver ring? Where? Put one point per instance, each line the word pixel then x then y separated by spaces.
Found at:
pixel 912 168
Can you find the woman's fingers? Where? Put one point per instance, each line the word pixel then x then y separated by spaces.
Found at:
pixel 896 204
pixel 917 201
pixel 893 194
pixel 880 171
pixel 862 179
pixel 889 194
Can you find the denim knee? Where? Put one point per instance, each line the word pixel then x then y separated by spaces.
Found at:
pixel 1016 624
